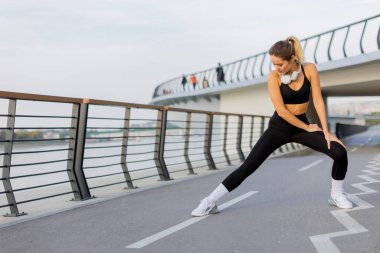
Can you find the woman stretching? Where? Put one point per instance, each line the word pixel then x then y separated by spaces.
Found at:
pixel 289 88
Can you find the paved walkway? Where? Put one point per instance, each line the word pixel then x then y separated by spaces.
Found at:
pixel 280 208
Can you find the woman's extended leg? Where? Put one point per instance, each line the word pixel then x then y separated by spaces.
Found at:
pixel 316 140
pixel 266 145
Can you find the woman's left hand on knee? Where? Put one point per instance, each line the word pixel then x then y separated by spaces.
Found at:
pixel 332 137
pixel 328 139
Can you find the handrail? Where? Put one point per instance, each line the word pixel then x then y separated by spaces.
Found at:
pixel 85 159
pixel 58 99
pixel 38 97
pixel 254 65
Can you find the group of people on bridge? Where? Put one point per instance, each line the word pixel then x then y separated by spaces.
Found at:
pixel 205 84
pixel 193 81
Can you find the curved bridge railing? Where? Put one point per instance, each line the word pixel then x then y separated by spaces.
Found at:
pixel 354 39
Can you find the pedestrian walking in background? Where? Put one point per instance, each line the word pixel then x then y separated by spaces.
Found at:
pixel 220 73
pixel 194 81
pixel 205 82
pixel 184 82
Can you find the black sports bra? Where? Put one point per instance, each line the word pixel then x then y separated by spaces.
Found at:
pixel 300 96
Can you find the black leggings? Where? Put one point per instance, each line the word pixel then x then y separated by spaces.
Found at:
pixel 280 132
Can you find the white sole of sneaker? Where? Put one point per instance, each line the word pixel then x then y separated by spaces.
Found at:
pixel 213 210
pixel 333 203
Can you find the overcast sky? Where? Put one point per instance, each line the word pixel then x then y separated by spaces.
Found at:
pixel 122 49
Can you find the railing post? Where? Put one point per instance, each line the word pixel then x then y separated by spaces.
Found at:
pixel 232 72
pixel 329 48
pixel 239 137
pixel 315 50
pixel 7 162
pixel 207 75
pixel 79 151
pixel 262 125
pixel 245 69
pixel 207 144
pixel 238 71
pixel 123 158
pixel 71 153
pixel 212 80
pixel 361 38
pixel 305 46
pixel 378 38
pixel 160 145
pixel 345 40
pixel 187 142
pixel 253 67
pixel 262 64
pixel 225 73
pixel 251 133
pixel 225 140
pixel 269 66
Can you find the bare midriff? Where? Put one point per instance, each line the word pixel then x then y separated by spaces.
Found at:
pixel 297 109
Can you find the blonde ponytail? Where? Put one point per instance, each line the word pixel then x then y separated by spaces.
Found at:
pixel 297 47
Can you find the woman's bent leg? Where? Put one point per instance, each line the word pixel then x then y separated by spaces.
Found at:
pixel 316 140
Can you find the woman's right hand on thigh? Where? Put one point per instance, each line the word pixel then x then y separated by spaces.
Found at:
pixel 313 128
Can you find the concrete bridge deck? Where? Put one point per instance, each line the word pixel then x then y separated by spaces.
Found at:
pixel 280 208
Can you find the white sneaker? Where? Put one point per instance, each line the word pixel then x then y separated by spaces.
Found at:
pixel 340 201
pixel 205 208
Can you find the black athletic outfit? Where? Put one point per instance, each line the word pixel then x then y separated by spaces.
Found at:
pixel 280 132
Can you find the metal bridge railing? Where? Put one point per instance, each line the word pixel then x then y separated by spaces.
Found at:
pixel 56 146
pixel 350 40
pixel 25 166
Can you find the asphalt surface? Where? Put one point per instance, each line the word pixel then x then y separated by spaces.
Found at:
pixel 282 207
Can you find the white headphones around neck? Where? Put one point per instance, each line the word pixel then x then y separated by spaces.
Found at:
pixel 286 79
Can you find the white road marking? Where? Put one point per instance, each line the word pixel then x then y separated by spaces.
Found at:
pixel 360 145
pixel 323 243
pixel 350 137
pixel 354 149
pixel 311 165
pixel 148 240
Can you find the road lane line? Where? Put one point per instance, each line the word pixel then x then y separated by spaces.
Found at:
pixel 311 165
pixel 148 240
pixel 354 149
